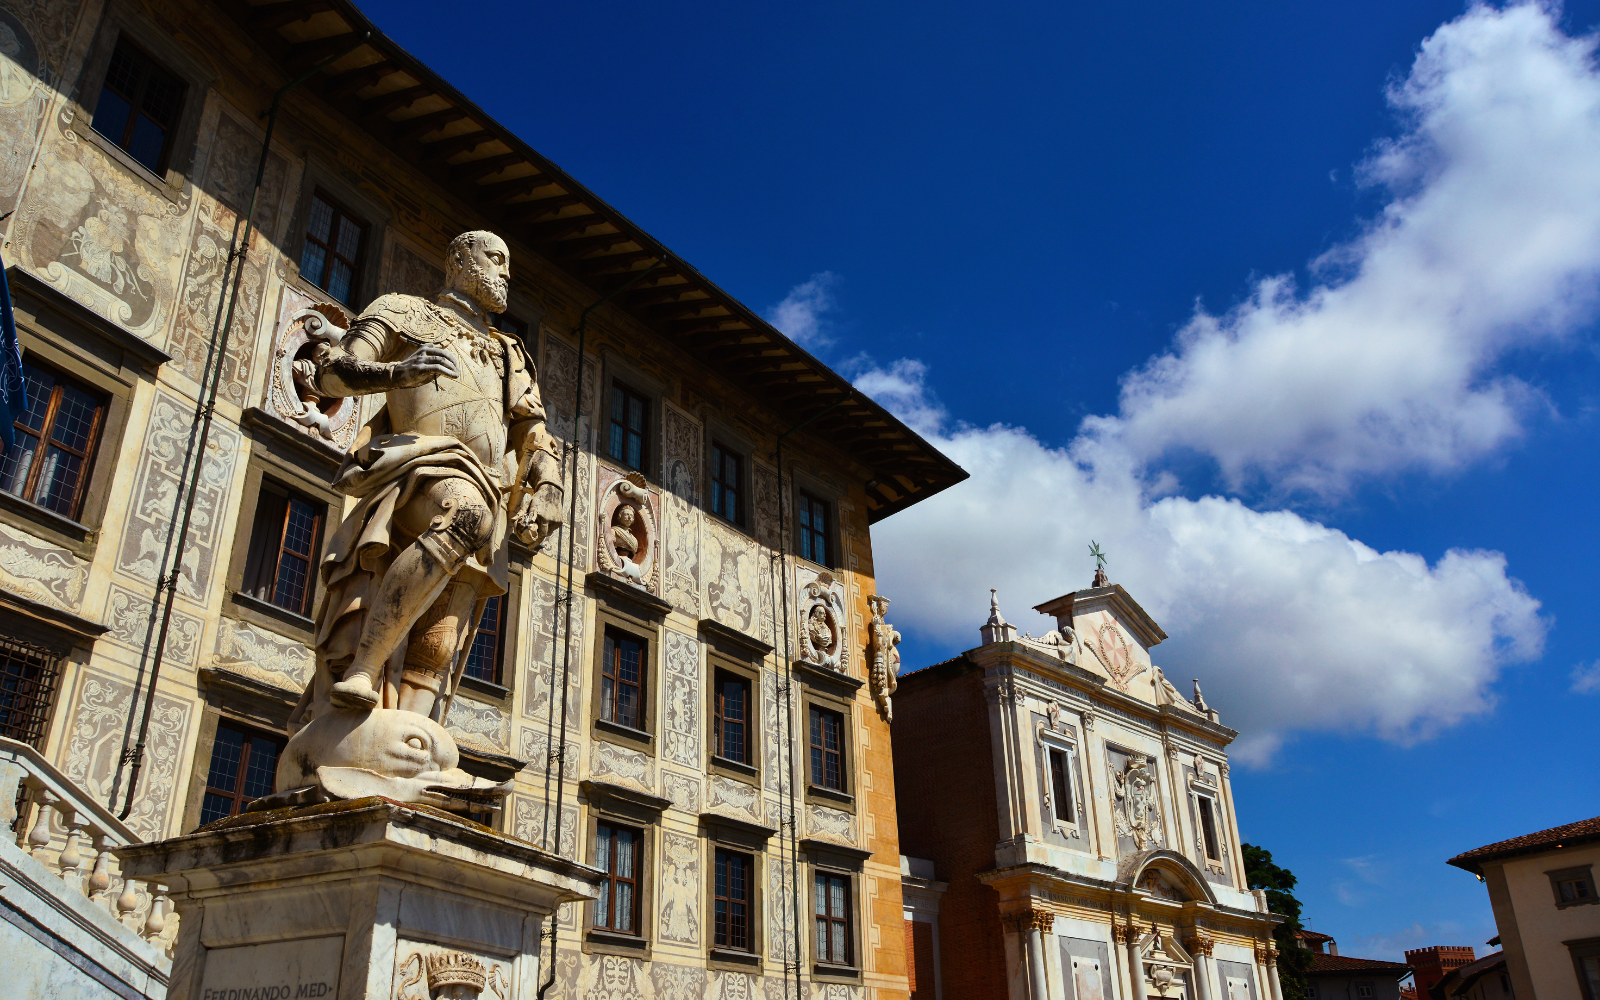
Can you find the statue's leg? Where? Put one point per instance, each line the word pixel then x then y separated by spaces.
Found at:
pixel 431 653
pixel 450 519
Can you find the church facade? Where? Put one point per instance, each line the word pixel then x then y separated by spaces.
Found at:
pixel 1074 810
pixel 687 685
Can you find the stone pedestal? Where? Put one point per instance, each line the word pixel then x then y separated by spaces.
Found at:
pixel 368 899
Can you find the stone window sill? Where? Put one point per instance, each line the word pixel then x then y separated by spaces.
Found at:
pixel 733 768
pixel 77 537
pixel 819 792
pixel 731 959
pixel 824 970
pixel 605 941
pixel 488 688
pixel 269 615
pixel 627 735
pixel 171 186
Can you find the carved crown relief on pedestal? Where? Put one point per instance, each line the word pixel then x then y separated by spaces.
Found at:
pixel 628 517
pixel 306 334
pixel 822 623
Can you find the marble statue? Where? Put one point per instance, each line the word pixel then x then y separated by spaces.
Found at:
pixel 456 460
pixel 884 656
pixel 821 623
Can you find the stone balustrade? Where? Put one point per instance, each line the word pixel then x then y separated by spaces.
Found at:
pixel 58 825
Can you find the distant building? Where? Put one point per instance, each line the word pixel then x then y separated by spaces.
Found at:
pixel 1333 976
pixel 1077 821
pixel 1483 979
pixel 1542 888
pixel 1431 964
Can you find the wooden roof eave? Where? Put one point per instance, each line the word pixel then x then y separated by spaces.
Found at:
pixel 780 361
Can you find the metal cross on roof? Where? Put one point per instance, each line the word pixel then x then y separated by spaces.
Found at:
pixel 1099 557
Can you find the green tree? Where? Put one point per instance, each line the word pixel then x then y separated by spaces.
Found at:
pixel 1293 961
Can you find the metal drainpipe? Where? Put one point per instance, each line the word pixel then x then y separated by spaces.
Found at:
pixel 788 686
pixel 199 433
pixel 552 752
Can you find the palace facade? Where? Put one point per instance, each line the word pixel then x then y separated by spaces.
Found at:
pixel 1070 821
pixel 682 696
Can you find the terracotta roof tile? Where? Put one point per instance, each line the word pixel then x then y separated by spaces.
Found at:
pixel 1344 963
pixel 1557 836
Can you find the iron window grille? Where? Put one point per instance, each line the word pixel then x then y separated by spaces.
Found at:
pixel 285 540
pixel 832 898
pixel 244 766
pixel 616 852
pixel 54 442
pixel 827 749
pixel 731 718
pixel 731 900
pixel 622 681
pixel 727 473
pixel 334 247
pixel 29 675
pixel 629 426
pixel 138 106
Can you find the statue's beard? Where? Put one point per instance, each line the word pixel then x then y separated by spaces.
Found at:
pixel 488 292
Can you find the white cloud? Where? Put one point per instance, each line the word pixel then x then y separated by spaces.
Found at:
pixel 803 312
pixel 1289 624
pixel 1586 678
pixel 1489 242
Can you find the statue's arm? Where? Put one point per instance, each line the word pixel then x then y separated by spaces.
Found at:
pixel 356 367
pixel 535 501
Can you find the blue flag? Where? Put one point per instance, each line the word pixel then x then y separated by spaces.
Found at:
pixel 13 387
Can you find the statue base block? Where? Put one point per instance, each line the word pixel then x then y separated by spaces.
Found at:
pixel 370 899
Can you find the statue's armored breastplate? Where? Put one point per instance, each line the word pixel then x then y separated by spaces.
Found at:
pixel 469 408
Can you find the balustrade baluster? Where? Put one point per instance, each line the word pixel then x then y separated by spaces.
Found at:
pixel 71 859
pixel 100 879
pixel 39 838
pixel 156 922
pixel 126 904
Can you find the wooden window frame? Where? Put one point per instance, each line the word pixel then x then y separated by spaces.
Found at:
pixel 813 712
pixel 721 486
pixel 629 395
pixel 261 581
pixel 1584 873
pixel 357 266
pixel 636 883
pixel 152 66
pixel 847 961
pixel 250 733
pixel 1580 950
pixel 46 440
pixel 804 533
pixel 720 676
pixel 722 926
pixel 498 652
pixel 611 670
pixel 610 619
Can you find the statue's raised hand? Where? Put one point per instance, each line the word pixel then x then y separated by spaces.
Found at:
pixel 537 515
pixel 424 366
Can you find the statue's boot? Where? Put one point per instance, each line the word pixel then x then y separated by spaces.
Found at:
pixel 355 691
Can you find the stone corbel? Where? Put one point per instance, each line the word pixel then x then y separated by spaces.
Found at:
pixel 1088 719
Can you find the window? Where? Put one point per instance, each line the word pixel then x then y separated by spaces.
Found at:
pixel 813 529
pixel 1060 786
pixel 1364 990
pixel 629 424
pixel 1586 963
pixel 1572 886
pixel 1311 991
pixel 727 472
pixel 731 717
pixel 244 765
pixel 335 239
pixel 1208 827
pixel 622 681
pixel 827 749
pixel 138 107
pixel 54 444
pixel 833 918
pixel 731 900
pixel 483 661
pixel 28 678
pixel 283 549
pixel 616 852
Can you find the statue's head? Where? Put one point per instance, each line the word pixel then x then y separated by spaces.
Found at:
pixel 625 516
pixel 478 265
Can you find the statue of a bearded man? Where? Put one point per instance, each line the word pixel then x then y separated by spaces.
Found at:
pixel 457 459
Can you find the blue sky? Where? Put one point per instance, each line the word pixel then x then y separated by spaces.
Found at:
pixel 1291 306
